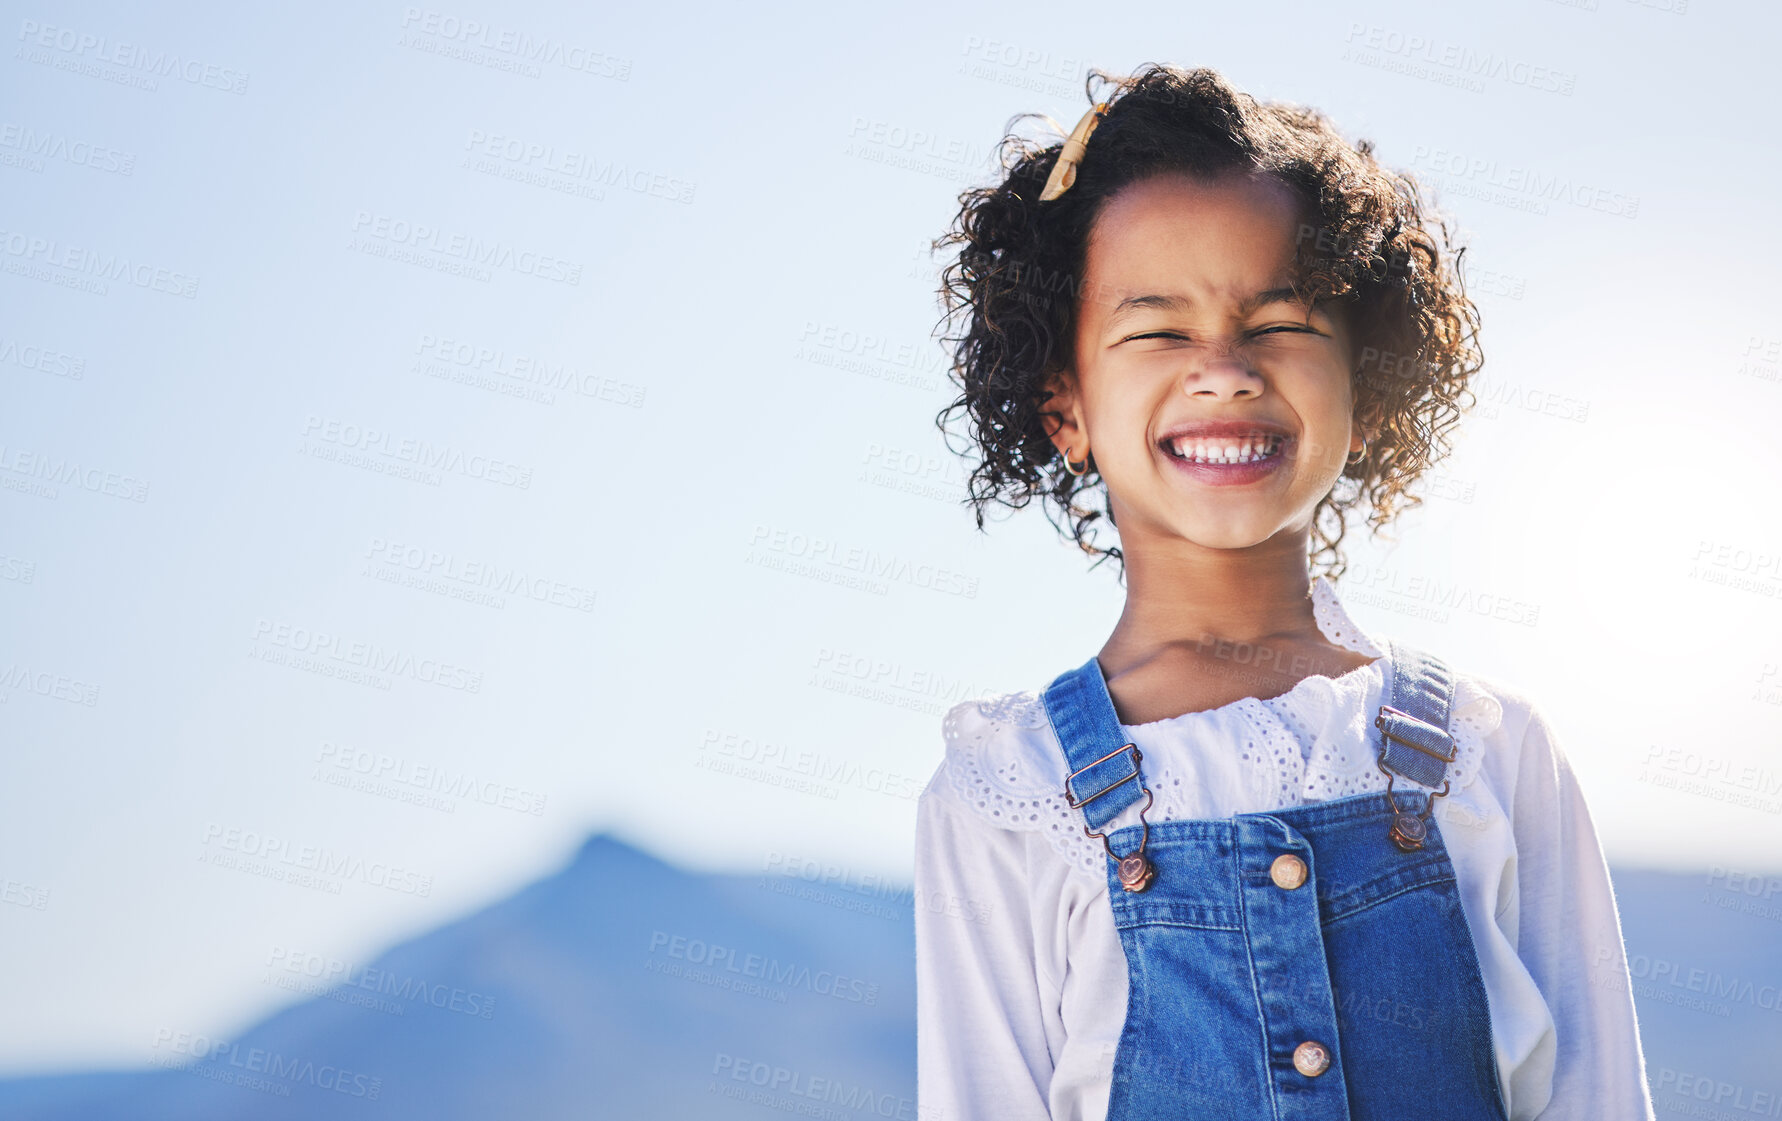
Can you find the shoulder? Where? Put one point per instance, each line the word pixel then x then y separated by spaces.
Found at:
pixel 1494 705
pixel 1000 747
pixel 1525 734
pixel 1004 770
pixel 1515 707
pixel 1501 725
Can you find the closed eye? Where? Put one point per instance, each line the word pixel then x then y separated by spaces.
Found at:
pixel 1289 328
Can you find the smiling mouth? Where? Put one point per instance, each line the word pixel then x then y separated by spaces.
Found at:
pixel 1226 450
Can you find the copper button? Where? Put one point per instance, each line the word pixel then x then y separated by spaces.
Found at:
pixel 1311 1058
pixel 1136 873
pixel 1287 871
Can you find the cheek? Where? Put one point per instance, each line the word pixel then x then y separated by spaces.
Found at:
pixel 1122 408
pixel 1326 418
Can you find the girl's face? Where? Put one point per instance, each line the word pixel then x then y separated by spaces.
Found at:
pixel 1218 411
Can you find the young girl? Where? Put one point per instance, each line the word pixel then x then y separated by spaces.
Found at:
pixel 1249 860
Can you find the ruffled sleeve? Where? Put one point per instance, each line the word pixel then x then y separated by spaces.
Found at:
pixel 1333 719
pixel 1005 763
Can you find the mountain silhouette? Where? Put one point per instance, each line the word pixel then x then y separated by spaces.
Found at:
pixel 619 987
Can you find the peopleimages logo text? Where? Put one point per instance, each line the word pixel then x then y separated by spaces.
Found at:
pixel 823 982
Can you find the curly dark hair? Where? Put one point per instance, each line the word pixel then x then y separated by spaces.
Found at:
pixel 1010 296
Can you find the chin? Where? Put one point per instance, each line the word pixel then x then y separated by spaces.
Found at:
pixel 1228 535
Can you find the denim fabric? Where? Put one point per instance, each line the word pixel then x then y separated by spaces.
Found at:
pixel 1230 972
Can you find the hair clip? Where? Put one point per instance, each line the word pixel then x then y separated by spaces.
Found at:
pixel 1064 172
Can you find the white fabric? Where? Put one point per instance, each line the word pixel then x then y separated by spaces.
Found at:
pixel 1021 978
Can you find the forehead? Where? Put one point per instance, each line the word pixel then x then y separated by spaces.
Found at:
pixel 1221 239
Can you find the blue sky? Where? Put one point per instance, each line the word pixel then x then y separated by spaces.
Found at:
pixel 569 364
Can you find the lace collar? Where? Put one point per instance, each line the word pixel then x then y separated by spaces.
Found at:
pixel 1310 743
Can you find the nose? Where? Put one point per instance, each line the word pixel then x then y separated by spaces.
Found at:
pixel 1222 377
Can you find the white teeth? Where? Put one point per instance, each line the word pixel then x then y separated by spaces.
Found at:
pixel 1247 450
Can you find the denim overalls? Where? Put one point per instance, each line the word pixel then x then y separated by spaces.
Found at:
pixel 1306 963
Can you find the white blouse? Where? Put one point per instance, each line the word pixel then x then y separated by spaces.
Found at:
pixel 1021 982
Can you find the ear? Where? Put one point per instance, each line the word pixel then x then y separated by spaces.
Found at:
pixel 1365 427
pixel 1066 429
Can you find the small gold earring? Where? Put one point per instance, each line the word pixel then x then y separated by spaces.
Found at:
pixel 1356 457
pixel 1072 468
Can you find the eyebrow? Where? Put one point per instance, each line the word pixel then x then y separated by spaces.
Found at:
pixel 1183 303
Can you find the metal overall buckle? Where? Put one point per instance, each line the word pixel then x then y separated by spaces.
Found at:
pixel 1409 830
pixel 1135 869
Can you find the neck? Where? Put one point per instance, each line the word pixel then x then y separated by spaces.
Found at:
pixel 1190 595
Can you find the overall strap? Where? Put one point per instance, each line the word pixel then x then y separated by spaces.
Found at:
pixel 1414 737
pixel 1104 764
